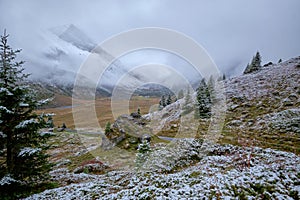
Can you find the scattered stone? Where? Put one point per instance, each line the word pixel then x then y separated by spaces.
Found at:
pixel 285 121
pixel 293 97
pixel 60 129
pixel 51 130
pixel 133 140
pixel 63 162
pixel 287 102
pixel 146 137
pixel 135 115
pixel 268 64
pixel 235 123
pixel 91 166
pixel 233 107
pixel 106 143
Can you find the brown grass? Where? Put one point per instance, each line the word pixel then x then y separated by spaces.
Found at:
pixel 102 106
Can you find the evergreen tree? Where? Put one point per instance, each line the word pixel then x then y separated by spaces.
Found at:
pixel 211 89
pixel 255 64
pixel 211 83
pixel 23 146
pixel 248 69
pixel 257 61
pixel 203 100
pixel 162 102
pixel 50 123
pixel 63 126
pixel 169 100
pixel 187 105
pixel 188 97
pixel 139 111
pixel 107 128
pixel 224 77
pixel 180 94
pixel 143 153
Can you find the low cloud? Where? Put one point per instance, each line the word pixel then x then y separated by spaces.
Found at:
pixel 231 31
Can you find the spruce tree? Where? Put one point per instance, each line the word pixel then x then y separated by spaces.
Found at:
pixel 169 100
pixel 257 61
pixel 203 100
pixel 188 97
pixel 23 145
pixel 255 64
pixel 107 128
pixel 162 102
pixel 143 153
pixel 139 111
pixel 211 83
pixel 211 89
pixel 50 123
pixel 187 106
pixel 224 77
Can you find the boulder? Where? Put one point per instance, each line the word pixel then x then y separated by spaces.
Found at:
pixel 290 100
pixel 287 102
pixel 268 64
pixel 128 131
pixel 135 115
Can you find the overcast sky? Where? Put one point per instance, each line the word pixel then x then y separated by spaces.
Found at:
pixel 231 31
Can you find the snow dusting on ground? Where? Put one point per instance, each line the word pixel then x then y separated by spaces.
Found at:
pixel 227 172
pixel 261 106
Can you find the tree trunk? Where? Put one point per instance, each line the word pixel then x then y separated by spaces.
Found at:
pixel 9 153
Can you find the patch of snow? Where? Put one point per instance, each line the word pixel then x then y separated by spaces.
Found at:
pixel 23 104
pixel 46 134
pixel 222 174
pixel 6 110
pixel 24 124
pixel 7 180
pixel 2 135
pixel 28 151
pixel 2 90
pixel 44 101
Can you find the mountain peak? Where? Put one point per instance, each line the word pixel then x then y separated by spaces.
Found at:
pixel 72 34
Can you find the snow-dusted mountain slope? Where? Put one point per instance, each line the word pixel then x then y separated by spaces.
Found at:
pixel 263 107
pixel 59 52
pixel 263 110
pixel 73 35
